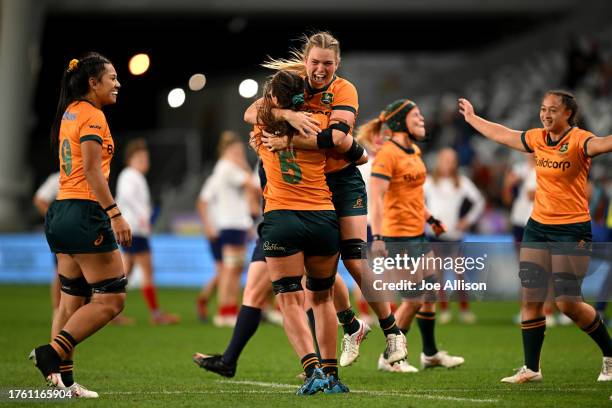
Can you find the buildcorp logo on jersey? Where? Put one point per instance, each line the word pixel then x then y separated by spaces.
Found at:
pixel 552 164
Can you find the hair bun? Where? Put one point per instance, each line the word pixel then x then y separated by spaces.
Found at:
pixel 73 65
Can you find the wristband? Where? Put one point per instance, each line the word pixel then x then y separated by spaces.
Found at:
pixel 355 152
pixel 116 215
pixel 431 220
pixel 110 207
pixel 113 211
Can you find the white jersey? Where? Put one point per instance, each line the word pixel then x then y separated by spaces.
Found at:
pixel 232 205
pixel 49 189
pixel 134 201
pixel 366 174
pixel 444 201
pixel 522 205
pixel 207 194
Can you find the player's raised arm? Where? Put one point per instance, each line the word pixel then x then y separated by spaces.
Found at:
pixel 599 145
pixel 491 130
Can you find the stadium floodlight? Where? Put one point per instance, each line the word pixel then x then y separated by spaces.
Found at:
pixel 248 88
pixel 139 64
pixel 176 97
pixel 197 82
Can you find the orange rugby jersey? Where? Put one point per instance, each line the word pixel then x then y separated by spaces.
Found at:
pixel 562 169
pixel 404 201
pixel 296 178
pixel 339 94
pixel 81 122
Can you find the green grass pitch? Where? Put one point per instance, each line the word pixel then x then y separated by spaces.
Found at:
pixel 151 366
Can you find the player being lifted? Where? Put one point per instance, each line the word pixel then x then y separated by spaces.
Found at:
pixel 335 97
pixel 300 232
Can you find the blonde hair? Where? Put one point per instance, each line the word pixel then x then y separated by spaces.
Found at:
pixel 133 147
pixel 366 132
pixel 228 138
pixel 295 63
pixel 436 175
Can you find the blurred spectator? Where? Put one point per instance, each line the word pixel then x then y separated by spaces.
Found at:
pixel 207 209
pixel 232 184
pixel 454 200
pixel 43 198
pixel 134 199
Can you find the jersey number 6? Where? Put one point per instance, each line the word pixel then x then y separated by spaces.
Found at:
pixel 292 173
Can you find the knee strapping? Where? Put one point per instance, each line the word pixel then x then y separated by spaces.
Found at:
pixel 113 285
pixel 567 284
pixel 320 284
pixel 353 249
pixel 234 260
pixel 75 287
pixel 532 275
pixel 287 284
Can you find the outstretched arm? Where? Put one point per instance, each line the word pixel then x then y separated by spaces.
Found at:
pixel 599 145
pixel 491 130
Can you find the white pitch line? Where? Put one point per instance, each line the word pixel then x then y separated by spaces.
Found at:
pixel 367 392
pixel 536 388
pixel 187 392
pixel 258 383
pixel 379 393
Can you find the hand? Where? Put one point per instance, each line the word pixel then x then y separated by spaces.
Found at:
pixel 211 233
pixel 274 143
pixel 379 249
pixel 122 231
pixel 463 225
pixel 253 141
pixel 466 108
pixel 436 225
pixel 303 122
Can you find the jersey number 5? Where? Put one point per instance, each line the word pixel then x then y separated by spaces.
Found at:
pixel 291 171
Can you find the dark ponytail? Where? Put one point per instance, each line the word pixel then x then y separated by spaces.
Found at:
pixel 288 88
pixel 75 85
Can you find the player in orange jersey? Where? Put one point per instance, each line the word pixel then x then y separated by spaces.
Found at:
pixel 336 98
pixel 300 230
pixel 556 239
pixel 397 204
pixel 83 225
